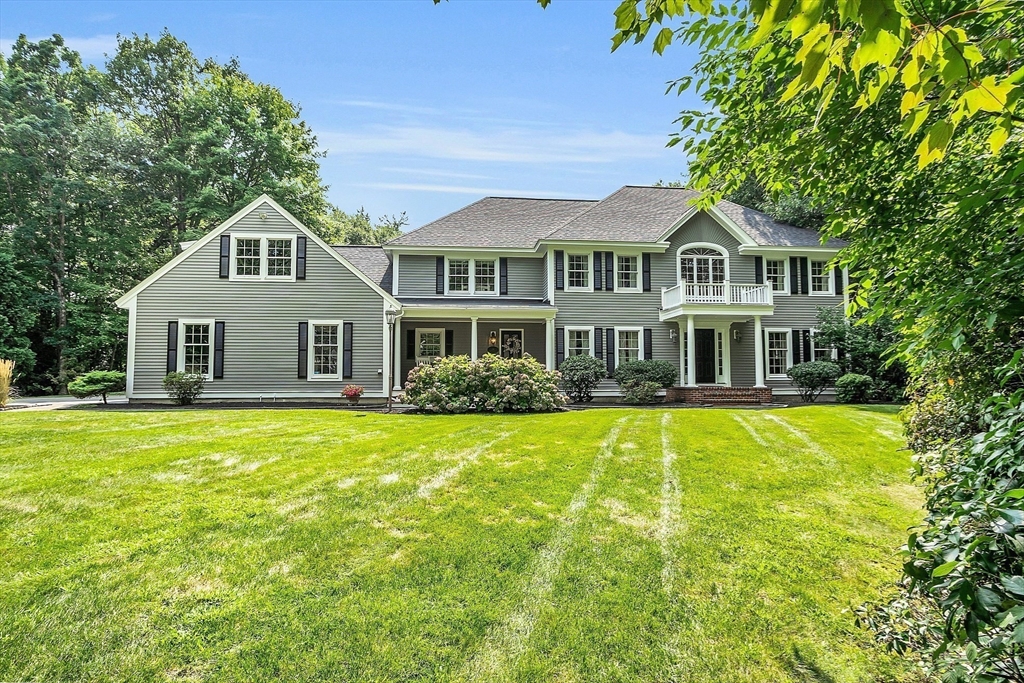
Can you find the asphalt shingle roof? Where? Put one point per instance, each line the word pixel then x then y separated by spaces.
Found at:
pixel 768 232
pixel 373 261
pixel 630 214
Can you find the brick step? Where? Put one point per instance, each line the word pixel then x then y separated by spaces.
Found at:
pixel 713 394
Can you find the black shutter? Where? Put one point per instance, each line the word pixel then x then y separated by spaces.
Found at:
pixel 172 346
pixel 598 267
pixel 609 352
pixel 449 342
pixel 598 343
pixel 503 276
pixel 759 270
pixel 559 346
pixel 559 270
pixel 807 355
pixel 346 351
pixel 794 275
pixel 225 255
pixel 837 273
pixel 410 344
pixel 303 354
pixel 300 257
pixel 439 273
pixel 648 343
pixel 796 347
pixel 646 260
pixel 804 289
pixel 609 271
pixel 218 350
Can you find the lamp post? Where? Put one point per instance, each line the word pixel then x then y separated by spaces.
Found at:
pixel 391 315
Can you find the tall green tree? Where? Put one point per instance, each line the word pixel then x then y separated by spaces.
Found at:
pixel 355 228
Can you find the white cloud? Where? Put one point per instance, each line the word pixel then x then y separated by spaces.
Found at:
pixel 92 48
pixel 435 173
pixel 513 145
pixel 461 189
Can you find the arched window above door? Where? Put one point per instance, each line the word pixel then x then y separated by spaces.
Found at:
pixel 702 263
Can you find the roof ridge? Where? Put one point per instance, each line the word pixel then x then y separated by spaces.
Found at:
pixel 450 213
pixel 597 203
pixel 537 199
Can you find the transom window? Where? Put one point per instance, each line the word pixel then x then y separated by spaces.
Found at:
pixel 775 274
pixel 579 271
pixel 429 344
pixel 247 257
pixel 821 283
pixel 778 352
pixel 196 349
pixel 628 346
pixel 262 257
pixel 472 276
pixel 483 275
pixel 578 342
pixel 325 350
pixel 279 258
pixel 702 265
pixel 626 272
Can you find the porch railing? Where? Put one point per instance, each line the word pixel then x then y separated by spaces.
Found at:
pixel 725 294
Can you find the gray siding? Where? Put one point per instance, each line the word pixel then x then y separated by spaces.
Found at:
pixel 418 274
pixel 261 320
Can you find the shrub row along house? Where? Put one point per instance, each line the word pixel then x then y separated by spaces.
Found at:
pixel 266 310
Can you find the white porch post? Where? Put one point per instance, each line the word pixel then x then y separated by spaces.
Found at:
pixel 397 370
pixel 473 351
pixel 758 353
pixel 549 356
pixel 691 367
pixel 682 353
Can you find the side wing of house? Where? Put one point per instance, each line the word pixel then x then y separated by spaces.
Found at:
pixel 264 310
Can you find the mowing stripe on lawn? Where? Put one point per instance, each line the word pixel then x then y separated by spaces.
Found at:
pixel 824 456
pixel 505 644
pixel 753 432
pixel 428 487
pixel 670 508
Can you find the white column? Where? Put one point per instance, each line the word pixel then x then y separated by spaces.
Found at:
pixel 691 367
pixel 549 357
pixel 758 353
pixel 682 353
pixel 473 351
pixel 397 378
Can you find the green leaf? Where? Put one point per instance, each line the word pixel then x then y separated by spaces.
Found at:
pixel 1015 493
pixel 944 569
pixel 987 96
pixel 662 40
pixel 1013 584
pixel 775 12
pixel 876 47
pixel 848 9
pixel 933 147
pixel 807 15
pixel 989 599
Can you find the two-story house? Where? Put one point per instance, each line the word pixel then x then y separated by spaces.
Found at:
pixel 267 310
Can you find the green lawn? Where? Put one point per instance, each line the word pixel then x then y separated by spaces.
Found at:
pixel 606 545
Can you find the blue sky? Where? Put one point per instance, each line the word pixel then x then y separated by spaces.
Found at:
pixel 426 108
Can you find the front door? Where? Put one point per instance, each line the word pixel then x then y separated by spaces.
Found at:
pixel 511 343
pixel 704 350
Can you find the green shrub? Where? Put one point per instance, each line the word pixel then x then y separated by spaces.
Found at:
pixel 640 392
pixel 6 381
pixel 580 376
pixel 456 384
pixel 813 378
pixel 184 388
pixel 659 371
pixel 853 388
pixel 97 383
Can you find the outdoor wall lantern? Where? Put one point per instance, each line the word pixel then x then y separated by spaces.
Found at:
pixel 492 339
pixel 672 334
pixel 736 336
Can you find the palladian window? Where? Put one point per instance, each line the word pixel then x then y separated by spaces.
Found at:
pixel 702 265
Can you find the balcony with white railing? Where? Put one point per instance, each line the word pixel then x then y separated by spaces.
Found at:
pixel 725 294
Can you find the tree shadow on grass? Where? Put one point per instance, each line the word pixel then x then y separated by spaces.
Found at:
pixel 802 669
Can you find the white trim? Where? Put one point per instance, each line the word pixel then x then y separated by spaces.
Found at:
pixel 527 252
pixel 578 328
pixel 133 320
pixel 785 274
pixel 690 213
pixel 732 227
pixel 639 273
pixel 789 351
pixel 394 274
pixel 758 250
pixel 550 265
pixel 701 245
pixel 827 273
pixel 311 350
pixel 264 258
pixel 416 340
pixel 639 341
pixel 242 213
pixel 589 255
pixel 472 277
pixel 522 338
pixel 607 245
pixel 180 367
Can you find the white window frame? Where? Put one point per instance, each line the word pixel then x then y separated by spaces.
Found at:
pixel 589 330
pixel 589 256
pixel 416 340
pixel 639 272
pixel 264 256
pixel 789 351
pixel 311 350
pixel 832 356
pixel 826 274
pixel 639 340
pixel 181 343
pixel 785 276
pixel 472 275
pixel 700 245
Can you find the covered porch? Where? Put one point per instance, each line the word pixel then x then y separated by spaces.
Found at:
pixel 717 349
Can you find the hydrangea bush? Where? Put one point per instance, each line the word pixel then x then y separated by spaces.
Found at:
pixel 456 384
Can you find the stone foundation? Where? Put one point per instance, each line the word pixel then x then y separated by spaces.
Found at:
pixel 719 395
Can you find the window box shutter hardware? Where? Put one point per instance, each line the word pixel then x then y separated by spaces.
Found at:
pixel 646 260
pixel 439 272
pixel 559 346
pixel 759 270
pixel 346 351
pixel 559 270
pixel 449 342
pixel 609 354
pixel 503 276
pixel 794 275
pixel 410 344
pixel 172 346
pixel 225 255
pixel 598 343
pixel 837 274
pixel 804 271
pixel 300 257
pixel 598 267
pixel 609 271
pixel 218 349
pixel 648 343
pixel 303 353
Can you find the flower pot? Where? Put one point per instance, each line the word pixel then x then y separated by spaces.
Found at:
pixel 352 400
